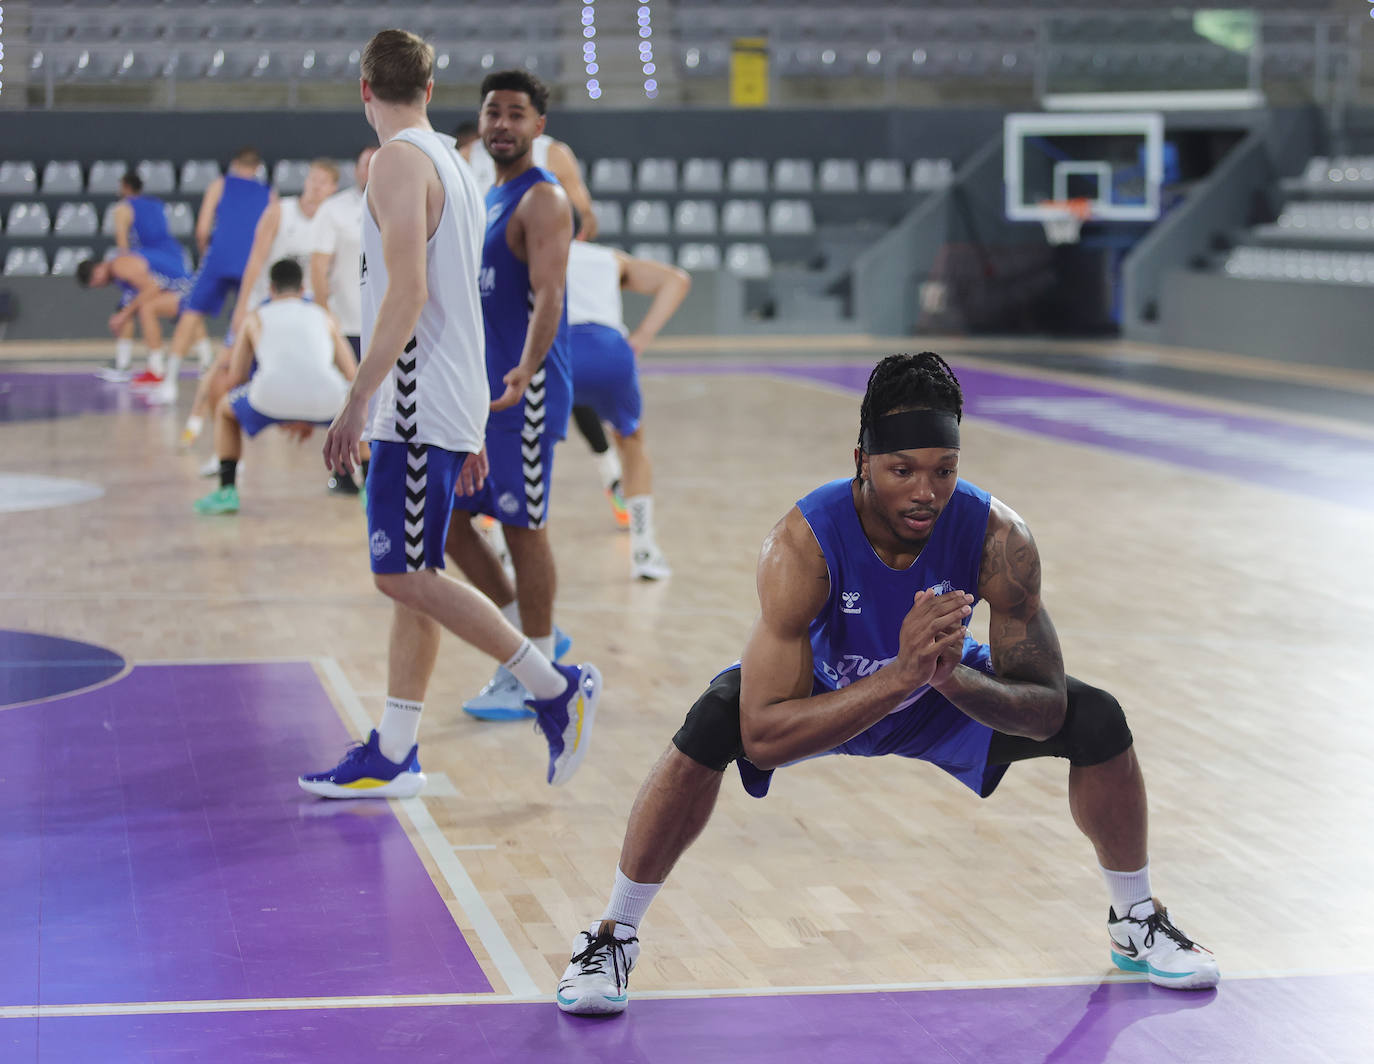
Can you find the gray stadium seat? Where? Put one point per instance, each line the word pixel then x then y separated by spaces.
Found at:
pixel 648 218
pixel 611 175
pixel 695 218
pixel 18 178
pixel 742 217
pixel 107 219
pixel 929 175
pixel 67 259
pixel 702 175
pixel 26 262
pixel 839 175
pixel 791 217
pixel 747 175
pixel 654 252
pixel 197 174
pixel 181 220
pixel 28 219
pixel 75 219
pixel 748 260
pixel 288 176
pixel 159 176
pixel 698 257
pixel 62 179
pixel 793 175
pixel 610 217
pixel 657 175
pixel 884 175
pixel 105 175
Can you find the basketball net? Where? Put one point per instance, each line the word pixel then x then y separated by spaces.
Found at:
pixel 1066 219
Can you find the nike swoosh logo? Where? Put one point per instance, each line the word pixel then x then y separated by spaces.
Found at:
pixel 1129 949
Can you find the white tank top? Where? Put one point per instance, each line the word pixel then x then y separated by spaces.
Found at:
pixel 291 242
pixel 296 379
pixel 594 287
pixel 484 167
pixel 436 393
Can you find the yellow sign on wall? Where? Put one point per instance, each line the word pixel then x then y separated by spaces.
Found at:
pixel 749 72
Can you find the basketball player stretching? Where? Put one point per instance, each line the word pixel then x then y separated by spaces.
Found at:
pixel 885 568
pixel 423 343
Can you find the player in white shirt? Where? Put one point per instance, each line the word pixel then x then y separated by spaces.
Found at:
pixel 282 232
pixel 303 366
pixel 605 376
pixel 424 347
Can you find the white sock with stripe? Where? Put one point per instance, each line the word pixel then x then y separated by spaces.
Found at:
pixel 641 509
pixel 533 669
pixel 629 901
pixel 399 728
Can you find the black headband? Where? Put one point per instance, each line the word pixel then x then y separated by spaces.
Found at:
pixel 911 430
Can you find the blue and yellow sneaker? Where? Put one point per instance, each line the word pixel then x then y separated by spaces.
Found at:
pixel 503 698
pixel 566 720
pixel 365 773
pixel 219 501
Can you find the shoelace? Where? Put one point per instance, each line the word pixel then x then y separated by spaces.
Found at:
pixel 1159 921
pixel 355 752
pixel 605 946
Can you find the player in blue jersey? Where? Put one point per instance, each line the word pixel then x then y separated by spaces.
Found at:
pixel 145 296
pixel 529 370
pixel 861 648
pixel 228 218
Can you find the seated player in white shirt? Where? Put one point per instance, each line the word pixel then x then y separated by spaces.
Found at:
pixel 300 368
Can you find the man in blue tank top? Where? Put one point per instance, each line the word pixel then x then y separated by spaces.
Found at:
pixel 529 370
pixel 229 214
pixel 861 648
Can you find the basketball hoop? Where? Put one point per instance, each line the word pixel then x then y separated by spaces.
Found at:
pixel 1064 218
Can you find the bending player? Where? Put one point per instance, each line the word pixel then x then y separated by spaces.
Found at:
pixel 303 366
pixel 423 336
pixel 605 374
pixel 877 568
pixel 145 296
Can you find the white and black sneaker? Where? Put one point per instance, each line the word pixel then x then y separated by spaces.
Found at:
pixel 1145 941
pixel 597 979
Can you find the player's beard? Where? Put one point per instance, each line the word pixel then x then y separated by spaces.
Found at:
pixel 506 156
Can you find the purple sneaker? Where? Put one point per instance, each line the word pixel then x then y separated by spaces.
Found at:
pixel 566 720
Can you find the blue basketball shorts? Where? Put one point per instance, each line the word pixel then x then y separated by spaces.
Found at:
pixel 211 285
pixel 409 502
pixel 253 420
pixel 519 482
pixel 606 376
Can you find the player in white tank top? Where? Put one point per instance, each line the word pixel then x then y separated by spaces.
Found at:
pixel 424 347
pixel 605 375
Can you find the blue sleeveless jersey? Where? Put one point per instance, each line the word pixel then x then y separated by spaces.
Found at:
pixel 150 237
pixel 236 217
pixel 857 631
pixel 507 301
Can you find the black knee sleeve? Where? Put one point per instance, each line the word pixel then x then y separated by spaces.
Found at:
pixel 1095 728
pixel 589 424
pixel 710 735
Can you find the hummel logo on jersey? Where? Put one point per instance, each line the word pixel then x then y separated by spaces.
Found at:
pixel 486 280
pixel 851 602
pixel 943 587
pixel 362 267
pixel 493 213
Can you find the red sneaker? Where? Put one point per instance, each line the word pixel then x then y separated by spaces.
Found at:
pixel 146 379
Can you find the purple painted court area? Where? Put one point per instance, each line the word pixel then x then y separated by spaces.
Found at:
pixel 156 847
pixel 1249 1021
pixel 41 666
pixel 1258 450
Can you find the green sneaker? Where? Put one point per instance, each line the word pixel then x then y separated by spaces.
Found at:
pixel 219 501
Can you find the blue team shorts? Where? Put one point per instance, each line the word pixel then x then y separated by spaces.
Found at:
pixel 211 284
pixel 519 483
pixel 410 498
pixel 252 420
pixel 605 376
pixel 179 285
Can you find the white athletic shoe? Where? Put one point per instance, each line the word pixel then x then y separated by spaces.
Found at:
pixel 503 698
pixel 114 375
pixel 597 979
pixel 1145 941
pixel 649 565
pixel 165 394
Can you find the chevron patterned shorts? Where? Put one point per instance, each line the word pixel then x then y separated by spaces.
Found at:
pixel 409 502
pixel 516 492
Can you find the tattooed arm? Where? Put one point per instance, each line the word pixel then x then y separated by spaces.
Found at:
pixel 1027 694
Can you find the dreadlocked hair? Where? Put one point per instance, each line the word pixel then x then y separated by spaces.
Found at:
pixel 922 381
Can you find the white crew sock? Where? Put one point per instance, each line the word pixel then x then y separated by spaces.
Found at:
pixel 532 667
pixel 157 362
pixel 204 353
pixel 609 466
pixel 511 612
pixel 629 900
pixel 641 509
pixel 543 644
pixel 399 728
pixel 171 378
pixel 124 353
pixel 1128 889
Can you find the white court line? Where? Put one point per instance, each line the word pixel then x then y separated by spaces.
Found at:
pixel 493 939
pixel 151 1008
